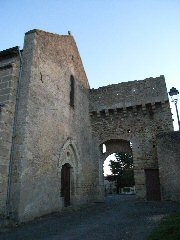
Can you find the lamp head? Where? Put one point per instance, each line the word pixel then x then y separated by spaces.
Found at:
pixel 173 93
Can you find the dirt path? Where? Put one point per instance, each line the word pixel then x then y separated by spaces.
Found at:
pixel 120 217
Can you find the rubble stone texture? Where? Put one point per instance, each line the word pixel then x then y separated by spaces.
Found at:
pixel 48 131
pixel 51 118
pixel 133 112
pixel 168 148
pixel 9 71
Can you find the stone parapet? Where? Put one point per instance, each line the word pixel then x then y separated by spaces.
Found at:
pixel 128 94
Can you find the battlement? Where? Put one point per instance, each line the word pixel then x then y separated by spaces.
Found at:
pixel 9 53
pixel 136 110
pixel 129 94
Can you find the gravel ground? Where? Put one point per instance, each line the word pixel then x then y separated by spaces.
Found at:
pixel 119 217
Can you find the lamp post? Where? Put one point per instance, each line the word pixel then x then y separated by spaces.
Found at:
pixel 173 93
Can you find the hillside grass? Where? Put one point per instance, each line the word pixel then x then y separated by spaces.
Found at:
pixel 169 229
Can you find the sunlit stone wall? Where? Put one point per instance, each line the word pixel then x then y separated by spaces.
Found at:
pixel 136 112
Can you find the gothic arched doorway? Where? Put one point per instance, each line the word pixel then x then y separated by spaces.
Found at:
pixel 66 184
pixel 68 171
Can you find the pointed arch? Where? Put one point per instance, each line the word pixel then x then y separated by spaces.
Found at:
pixel 69 146
pixel 69 156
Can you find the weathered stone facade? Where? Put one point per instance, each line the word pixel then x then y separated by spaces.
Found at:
pixel 131 112
pixel 168 148
pixel 53 127
pixel 49 131
pixel 9 72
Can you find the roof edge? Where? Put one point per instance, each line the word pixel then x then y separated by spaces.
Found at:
pixel 10 52
pixel 42 31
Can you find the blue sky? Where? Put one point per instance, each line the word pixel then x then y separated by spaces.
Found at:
pixel 118 40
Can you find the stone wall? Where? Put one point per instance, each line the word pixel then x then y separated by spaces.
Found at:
pixel 136 112
pixel 49 131
pixel 168 148
pixel 128 94
pixel 50 118
pixel 9 71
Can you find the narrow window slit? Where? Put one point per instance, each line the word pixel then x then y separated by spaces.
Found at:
pixel 72 91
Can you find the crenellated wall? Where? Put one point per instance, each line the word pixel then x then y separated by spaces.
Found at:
pixel 136 112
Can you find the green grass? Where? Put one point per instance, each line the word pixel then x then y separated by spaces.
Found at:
pixel 169 229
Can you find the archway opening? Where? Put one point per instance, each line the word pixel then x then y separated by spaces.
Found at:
pixel 66 184
pixel 109 181
pixel 118 167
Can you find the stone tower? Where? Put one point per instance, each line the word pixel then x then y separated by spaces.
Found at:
pixel 52 162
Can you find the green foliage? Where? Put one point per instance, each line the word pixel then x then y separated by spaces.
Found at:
pixel 169 229
pixel 125 160
pixel 110 178
pixel 122 170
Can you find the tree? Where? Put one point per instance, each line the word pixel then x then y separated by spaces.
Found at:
pixel 122 170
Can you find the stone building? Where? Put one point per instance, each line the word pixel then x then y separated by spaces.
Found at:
pixel 48 157
pixel 127 117
pixel 53 126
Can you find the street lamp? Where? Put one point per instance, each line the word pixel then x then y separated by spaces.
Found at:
pixel 173 93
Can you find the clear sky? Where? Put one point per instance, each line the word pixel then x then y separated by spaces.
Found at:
pixel 118 40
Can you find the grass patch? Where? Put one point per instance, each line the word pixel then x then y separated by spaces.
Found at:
pixel 169 229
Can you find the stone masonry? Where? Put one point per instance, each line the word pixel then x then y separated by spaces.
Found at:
pixel 131 112
pixel 168 148
pixel 53 127
pixel 49 131
pixel 9 72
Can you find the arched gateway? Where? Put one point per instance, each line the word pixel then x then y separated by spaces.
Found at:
pixel 135 112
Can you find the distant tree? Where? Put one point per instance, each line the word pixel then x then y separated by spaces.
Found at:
pixel 122 170
pixel 110 178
